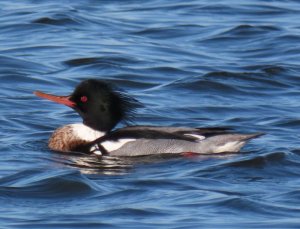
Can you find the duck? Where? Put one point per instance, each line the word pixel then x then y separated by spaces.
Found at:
pixel 102 106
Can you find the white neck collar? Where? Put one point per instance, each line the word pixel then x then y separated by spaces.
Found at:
pixel 86 133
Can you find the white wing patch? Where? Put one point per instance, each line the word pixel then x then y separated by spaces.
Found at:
pixel 110 145
pixel 114 145
pixel 199 137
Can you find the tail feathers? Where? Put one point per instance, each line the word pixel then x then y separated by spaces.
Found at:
pixel 252 136
pixel 234 142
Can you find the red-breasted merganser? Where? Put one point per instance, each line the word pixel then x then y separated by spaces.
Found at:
pixel 102 107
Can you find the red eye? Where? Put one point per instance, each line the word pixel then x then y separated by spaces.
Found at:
pixel 83 99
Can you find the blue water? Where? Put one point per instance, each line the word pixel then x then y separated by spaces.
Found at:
pixel 192 63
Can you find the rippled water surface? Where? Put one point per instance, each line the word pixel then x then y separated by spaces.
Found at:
pixel 192 63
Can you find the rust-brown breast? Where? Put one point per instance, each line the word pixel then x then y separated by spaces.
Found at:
pixel 65 140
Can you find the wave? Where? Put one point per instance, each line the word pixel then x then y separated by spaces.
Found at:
pixel 41 184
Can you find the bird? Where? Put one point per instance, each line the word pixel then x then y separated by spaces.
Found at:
pixel 102 106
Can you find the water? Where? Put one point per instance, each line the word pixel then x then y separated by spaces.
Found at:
pixel 192 63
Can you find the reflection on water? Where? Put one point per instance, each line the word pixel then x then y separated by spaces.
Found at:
pixel 108 165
